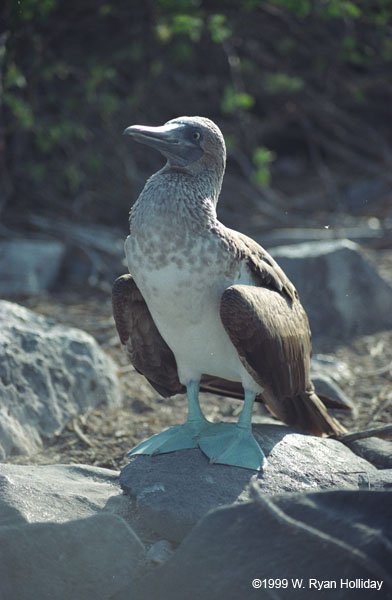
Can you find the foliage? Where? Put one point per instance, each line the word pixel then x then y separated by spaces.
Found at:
pixel 262 157
pixel 277 75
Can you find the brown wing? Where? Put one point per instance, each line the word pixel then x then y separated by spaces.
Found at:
pixel 272 337
pixel 146 348
pixel 265 269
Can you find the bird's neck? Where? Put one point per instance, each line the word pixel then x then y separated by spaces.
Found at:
pixel 179 197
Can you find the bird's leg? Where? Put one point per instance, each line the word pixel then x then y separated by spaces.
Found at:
pixel 235 446
pixel 195 414
pixel 180 436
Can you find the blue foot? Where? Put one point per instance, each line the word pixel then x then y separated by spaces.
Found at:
pixel 233 446
pixel 175 438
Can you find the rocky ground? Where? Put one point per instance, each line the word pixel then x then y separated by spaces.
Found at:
pixel 101 437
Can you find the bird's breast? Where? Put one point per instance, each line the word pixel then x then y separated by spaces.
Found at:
pixel 183 288
pixel 180 274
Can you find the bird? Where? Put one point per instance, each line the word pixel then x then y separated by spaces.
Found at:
pixel 206 308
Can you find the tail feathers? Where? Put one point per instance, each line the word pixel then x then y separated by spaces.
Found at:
pixel 307 412
pixel 334 403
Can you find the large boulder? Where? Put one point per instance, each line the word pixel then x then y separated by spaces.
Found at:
pixel 173 491
pixel 88 558
pixel 63 534
pixel 341 291
pixel 57 493
pixel 48 373
pixel 29 266
pixel 67 532
pixel 335 544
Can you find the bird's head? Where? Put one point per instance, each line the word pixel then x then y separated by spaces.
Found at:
pixel 191 144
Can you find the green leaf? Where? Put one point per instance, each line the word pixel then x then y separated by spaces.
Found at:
pixel 20 110
pixel 189 25
pixel 219 28
pixel 14 77
pixel 73 176
pixel 262 158
pixel 233 100
pixel 163 32
pixel 352 9
pixel 277 83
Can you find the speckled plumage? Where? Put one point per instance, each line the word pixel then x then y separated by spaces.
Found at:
pixel 217 306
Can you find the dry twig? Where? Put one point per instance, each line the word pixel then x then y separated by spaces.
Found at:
pixel 384 433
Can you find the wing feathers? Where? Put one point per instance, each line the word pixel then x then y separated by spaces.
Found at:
pixel 272 337
pixel 147 350
pixel 265 269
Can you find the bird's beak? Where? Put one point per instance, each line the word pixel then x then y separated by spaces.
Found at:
pixel 155 136
pixel 169 139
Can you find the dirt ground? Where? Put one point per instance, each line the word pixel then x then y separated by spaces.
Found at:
pixel 101 437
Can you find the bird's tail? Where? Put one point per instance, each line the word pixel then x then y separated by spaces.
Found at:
pixel 307 412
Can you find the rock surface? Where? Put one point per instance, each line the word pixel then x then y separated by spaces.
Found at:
pixel 340 290
pixel 325 385
pixel 29 266
pixel 67 532
pixel 88 558
pixel 63 534
pixel 160 552
pixel 289 540
pixel 375 450
pixel 173 491
pixel 48 373
pixel 297 235
pixel 327 375
pixel 57 493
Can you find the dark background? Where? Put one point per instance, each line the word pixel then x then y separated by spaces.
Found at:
pixel 302 91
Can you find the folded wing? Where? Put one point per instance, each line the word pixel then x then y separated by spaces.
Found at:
pixel 271 334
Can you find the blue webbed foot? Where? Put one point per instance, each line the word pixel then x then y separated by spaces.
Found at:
pixel 174 438
pixel 179 437
pixel 233 446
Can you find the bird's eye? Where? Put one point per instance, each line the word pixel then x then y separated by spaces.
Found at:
pixel 196 135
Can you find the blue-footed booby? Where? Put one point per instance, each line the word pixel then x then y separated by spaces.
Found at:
pixel 207 308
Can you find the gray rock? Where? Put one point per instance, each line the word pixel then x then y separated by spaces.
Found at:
pixel 341 291
pixel 160 552
pixel 298 235
pixel 378 480
pixel 63 533
pixel 94 252
pixel 48 373
pixel 284 544
pixel 173 491
pixel 325 385
pixel 328 374
pixel 329 365
pixel 29 266
pixel 57 493
pixel 359 195
pixel 375 450
pixel 86 558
